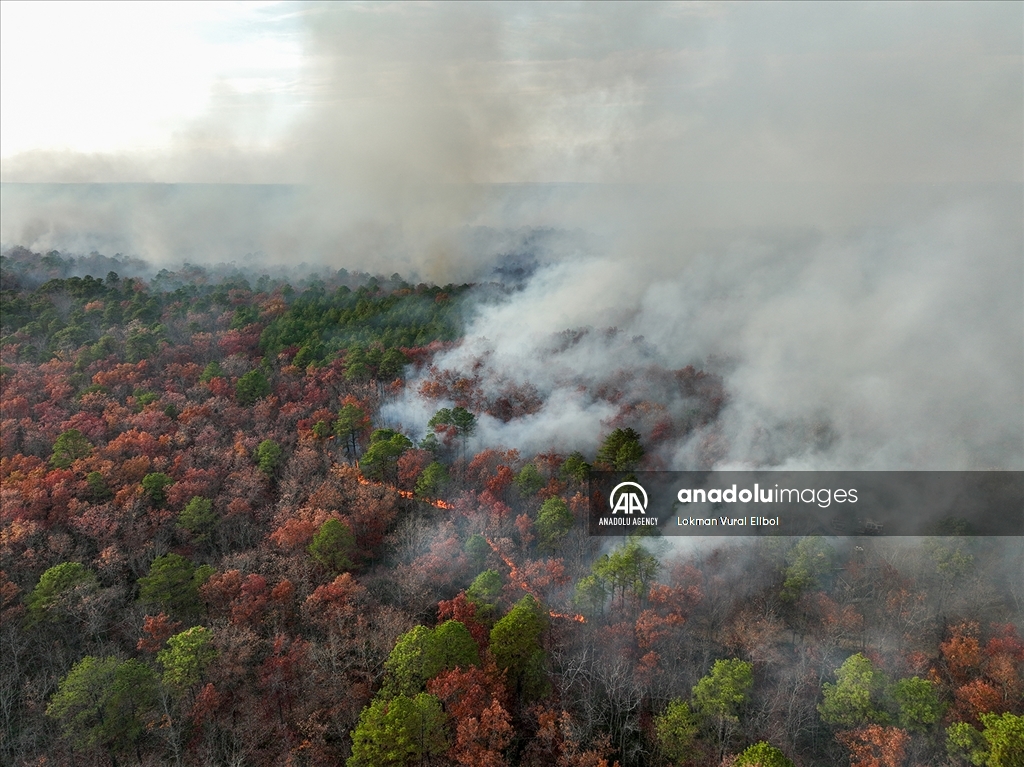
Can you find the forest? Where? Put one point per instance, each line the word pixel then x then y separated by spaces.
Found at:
pixel 214 550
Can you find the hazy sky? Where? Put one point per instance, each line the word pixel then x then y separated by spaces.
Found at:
pixel 117 76
pixel 402 93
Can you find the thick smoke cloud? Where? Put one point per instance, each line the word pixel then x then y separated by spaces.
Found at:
pixel 895 348
pixel 820 203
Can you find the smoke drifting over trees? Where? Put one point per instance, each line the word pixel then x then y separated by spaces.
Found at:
pixel 827 200
pixel 302 476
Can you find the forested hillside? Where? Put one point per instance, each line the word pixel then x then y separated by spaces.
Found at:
pixel 215 551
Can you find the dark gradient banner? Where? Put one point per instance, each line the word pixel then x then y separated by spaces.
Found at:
pixel 745 503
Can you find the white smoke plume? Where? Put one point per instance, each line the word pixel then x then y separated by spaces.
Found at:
pixel 898 348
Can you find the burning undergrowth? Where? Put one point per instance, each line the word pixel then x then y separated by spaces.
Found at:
pixel 665 405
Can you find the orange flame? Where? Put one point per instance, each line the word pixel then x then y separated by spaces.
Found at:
pixel 407 494
pixel 517 577
pixel 569 617
pixel 515 574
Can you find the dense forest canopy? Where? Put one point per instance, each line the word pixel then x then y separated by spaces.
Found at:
pixel 215 550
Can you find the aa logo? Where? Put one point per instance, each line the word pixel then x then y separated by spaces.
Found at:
pixel 628 501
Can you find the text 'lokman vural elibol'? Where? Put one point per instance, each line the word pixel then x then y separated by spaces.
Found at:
pixel 716 495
